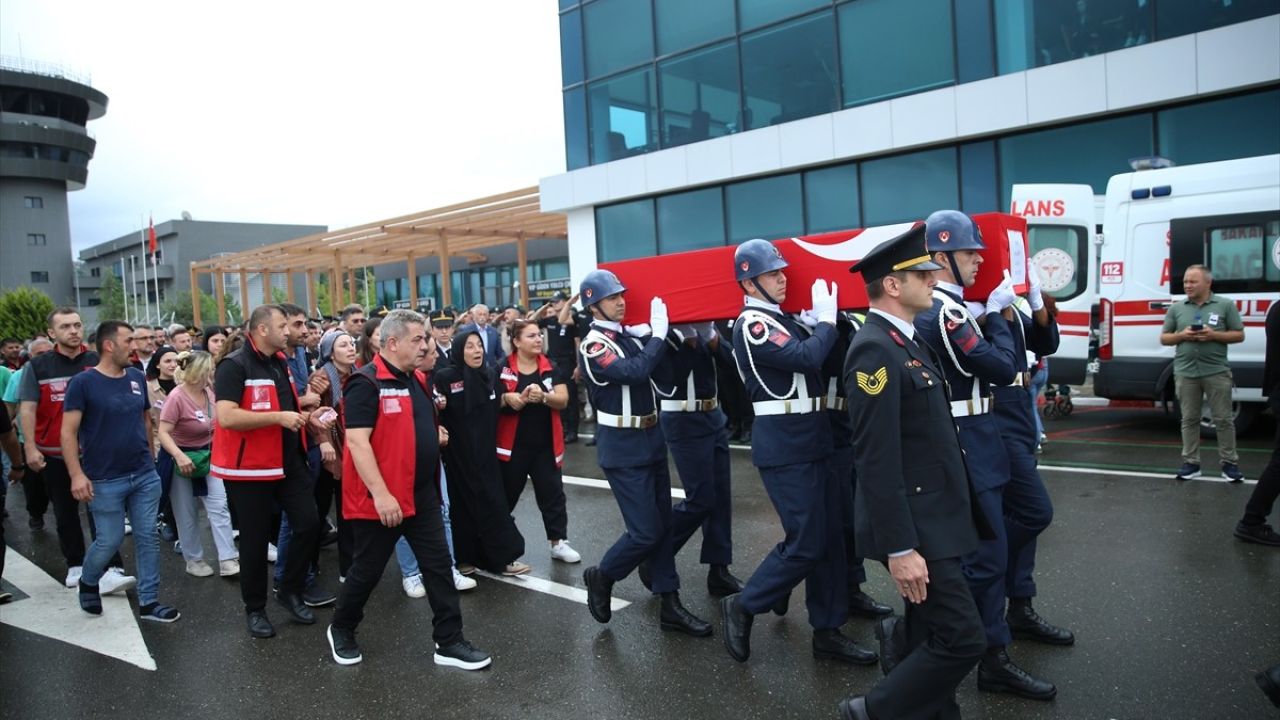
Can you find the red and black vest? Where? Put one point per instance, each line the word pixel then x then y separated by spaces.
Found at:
pixel 509 421
pixel 53 372
pixel 258 454
pixel 394 443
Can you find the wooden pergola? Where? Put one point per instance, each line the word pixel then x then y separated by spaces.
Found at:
pixel 460 230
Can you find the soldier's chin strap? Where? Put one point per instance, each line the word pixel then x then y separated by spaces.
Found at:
pixel 603 315
pixel 955 269
pixel 763 293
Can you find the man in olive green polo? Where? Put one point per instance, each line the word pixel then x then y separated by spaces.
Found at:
pixel 1201 327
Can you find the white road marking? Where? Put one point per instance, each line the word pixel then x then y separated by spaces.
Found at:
pixel 1133 473
pixel 54 611
pixel 604 485
pixel 568 592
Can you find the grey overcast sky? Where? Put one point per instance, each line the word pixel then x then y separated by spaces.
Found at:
pixel 301 112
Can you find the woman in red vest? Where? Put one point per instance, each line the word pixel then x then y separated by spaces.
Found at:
pixel 530 441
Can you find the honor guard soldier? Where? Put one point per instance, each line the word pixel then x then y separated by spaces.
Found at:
pixel 781 366
pixel 915 508
pixel 442 322
pixel 976 351
pixel 631 451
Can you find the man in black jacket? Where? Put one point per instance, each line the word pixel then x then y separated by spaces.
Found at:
pixel 1253 526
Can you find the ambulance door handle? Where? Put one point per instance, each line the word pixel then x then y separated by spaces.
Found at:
pixel 1159 305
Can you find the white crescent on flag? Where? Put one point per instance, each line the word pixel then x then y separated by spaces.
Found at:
pixel 857 246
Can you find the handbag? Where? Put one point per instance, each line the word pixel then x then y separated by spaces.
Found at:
pixel 200 459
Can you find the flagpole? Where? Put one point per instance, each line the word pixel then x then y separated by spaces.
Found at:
pixel 155 270
pixel 142 237
pixel 124 290
pixel 133 290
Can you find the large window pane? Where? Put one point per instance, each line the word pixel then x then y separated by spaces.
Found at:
pixel 1221 130
pixel 1183 17
pixel 690 220
pixel 909 187
pixel 699 95
pixel 571 48
pixel 1031 33
pixel 1090 153
pixel 876 63
pixel 626 231
pixel 831 199
pixel 789 71
pixel 761 12
pixel 684 24
pixel 575 128
pixel 619 34
pixel 979 190
pixel 767 208
pixel 623 116
pixel 976 53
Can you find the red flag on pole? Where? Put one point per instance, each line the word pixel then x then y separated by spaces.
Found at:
pixel 151 239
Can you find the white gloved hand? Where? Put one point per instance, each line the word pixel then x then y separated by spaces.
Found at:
pixel 658 317
pixel 1036 294
pixel 808 319
pixel 706 331
pixel 976 309
pixel 824 301
pixel 641 330
pixel 1002 297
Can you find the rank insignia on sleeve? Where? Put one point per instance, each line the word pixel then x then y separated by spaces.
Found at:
pixel 779 337
pixel 873 383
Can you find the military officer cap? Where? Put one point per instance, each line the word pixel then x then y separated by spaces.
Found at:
pixel 904 252
pixel 441 318
pixel 382 311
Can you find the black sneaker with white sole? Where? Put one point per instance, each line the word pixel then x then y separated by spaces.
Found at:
pixel 462 654
pixel 342 643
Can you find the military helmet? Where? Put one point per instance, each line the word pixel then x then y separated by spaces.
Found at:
pixel 951 230
pixel 754 258
pixel 598 285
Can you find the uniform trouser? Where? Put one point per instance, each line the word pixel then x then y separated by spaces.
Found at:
pixel 374 545
pixel 842 469
pixel 1192 392
pixel 945 636
pixel 987 568
pixel 808 502
pixel 703 464
pixel 539 465
pixel 1264 494
pixel 254 502
pixel 644 497
pixel 1027 512
pixel 66 512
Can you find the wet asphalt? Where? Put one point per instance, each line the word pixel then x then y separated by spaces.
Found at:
pixel 1172 615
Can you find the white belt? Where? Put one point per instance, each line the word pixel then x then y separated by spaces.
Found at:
pixel 1020 380
pixel 689 405
pixel 631 422
pixel 834 401
pixel 965 408
pixel 797 406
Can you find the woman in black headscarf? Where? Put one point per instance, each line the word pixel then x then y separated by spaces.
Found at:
pixel 484 533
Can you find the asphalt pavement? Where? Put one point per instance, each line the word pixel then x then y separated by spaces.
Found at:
pixel 1172 615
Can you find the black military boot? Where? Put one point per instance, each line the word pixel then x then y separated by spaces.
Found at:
pixel 997 673
pixel 1026 623
pixel 831 644
pixel 780 608
pixel 721 582
pixel 674 616
pixel 737 628
pixel 863 605
pixel 1269 681
pixel 598 589
pixel 891 632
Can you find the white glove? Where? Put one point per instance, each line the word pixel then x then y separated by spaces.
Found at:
pixel 1035 295
pixel 824 301
pixel 658 317
pixel 1002 297
pixel 808 318
pixel 706 330
pixel 976 309
pixel 639 331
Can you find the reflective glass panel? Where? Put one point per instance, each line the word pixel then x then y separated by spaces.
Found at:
pixel 1221 129
pixel 789 71
pixel 1031 33
pixel 831 199
pixel 1089 153
pixel 623 116
pixel 762 12
pixel 626 230
pixel 619 34
pixel 690 220
pixel 909 187
pixel 571 48
pixel 877 62
pixel 686 23
pixel 768 208
pixel 699 95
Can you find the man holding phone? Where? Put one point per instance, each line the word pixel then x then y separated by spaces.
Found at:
pixel 1201 327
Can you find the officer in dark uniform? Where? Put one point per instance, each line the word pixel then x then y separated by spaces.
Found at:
pixel 631 451
pixel 976 351
pixel 556 319
pixel 781 366
pixel 442 322
pixel 915 507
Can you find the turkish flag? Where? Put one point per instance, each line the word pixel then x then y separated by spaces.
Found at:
pixel 151 239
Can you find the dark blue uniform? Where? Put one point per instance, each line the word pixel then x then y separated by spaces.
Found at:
pixel 973 360
pixel 781 369
pixel 619 369
pixel 694 427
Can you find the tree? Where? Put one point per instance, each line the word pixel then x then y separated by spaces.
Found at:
pixel 24 313
pixel 180 307
pixel 111 298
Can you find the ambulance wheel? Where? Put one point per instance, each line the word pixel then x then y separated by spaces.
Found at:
pixel 1050 411
pixel 1067 407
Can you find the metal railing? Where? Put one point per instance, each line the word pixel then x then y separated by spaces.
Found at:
pixel 38 67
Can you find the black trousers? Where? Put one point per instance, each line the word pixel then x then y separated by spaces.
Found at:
pixel 569 415
pixel 946 638
pixel 539 465
pixel 37 498
pixel 329 494
pixel 66 511
pixel 1263 499
pixel 374 545
pixel 255 502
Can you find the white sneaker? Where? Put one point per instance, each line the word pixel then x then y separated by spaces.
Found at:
pixel 199 568
pixel 413 586
pixel 271 553
pixel 462 582
pixel 73 576
pixel 229 568
pixel 562 552
pixel 128 527
pixel 115 581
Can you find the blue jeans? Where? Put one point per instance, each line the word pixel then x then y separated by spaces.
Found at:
pixel 404 554
pixel 1038 381
pixel 139 494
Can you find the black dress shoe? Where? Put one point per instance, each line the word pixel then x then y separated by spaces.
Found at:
pixel 297 609
pixel 831 644
pixel 1269 681
pixel 1260 534
pixel 674 616
pixel 35 522
pixel 737 628
pixel 892 634
pixel 854 708
pixel 863 605
pixel 646 577
pixel 721 582
pixel 259 626
pixel 997 673
pixel 598 589
pixel 1024 622
pixel 314 596
pixel 780 608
